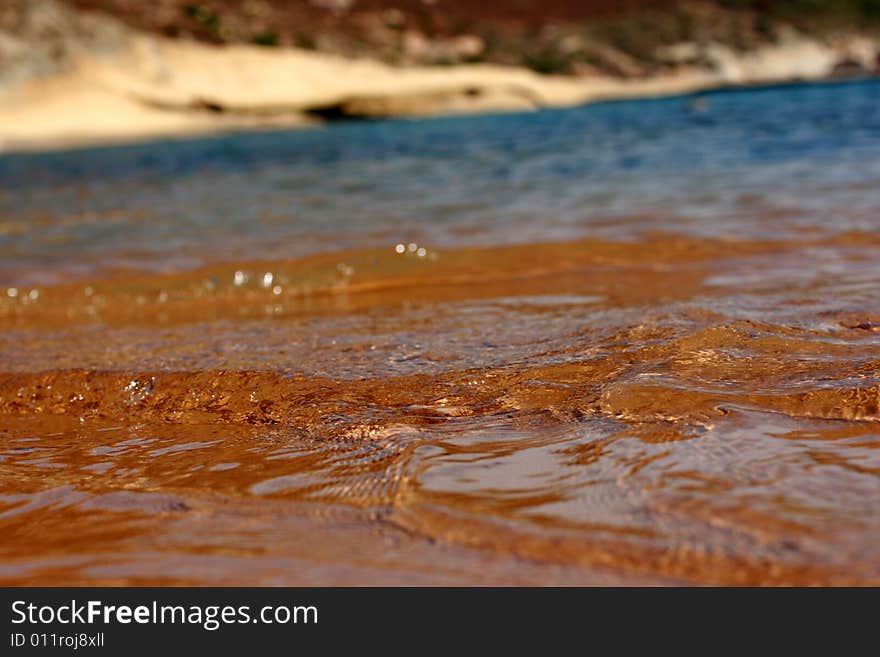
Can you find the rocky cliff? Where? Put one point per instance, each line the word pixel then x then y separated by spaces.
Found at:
pixel 72 75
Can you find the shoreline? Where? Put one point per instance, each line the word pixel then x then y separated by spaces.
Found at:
pixel 153 88
pixel 218 130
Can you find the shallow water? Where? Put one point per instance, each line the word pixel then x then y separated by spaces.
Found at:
pixel 627 343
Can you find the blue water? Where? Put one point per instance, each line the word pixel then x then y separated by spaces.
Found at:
pixel 758 163
pixel 706 415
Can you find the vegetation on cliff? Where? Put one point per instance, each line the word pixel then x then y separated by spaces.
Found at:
pixel 618 37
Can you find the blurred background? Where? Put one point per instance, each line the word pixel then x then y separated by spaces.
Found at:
pixel 617 37
pixel 81 71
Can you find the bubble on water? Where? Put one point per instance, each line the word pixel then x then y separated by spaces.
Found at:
pixel 344 269
pixel 12 292
pixel 138 390
pixel 400 248
pixel 268 277
pixel 239 278
pixel 163 296
pixel 412 247
pixel 89 290
pixel 33 295
pixel 422 252
pixel 276 290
